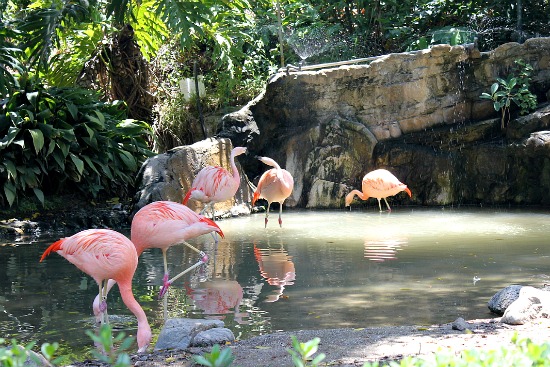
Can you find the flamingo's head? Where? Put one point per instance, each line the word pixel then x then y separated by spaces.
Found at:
pixel 238 151
pixel 144 336
pixel 349 198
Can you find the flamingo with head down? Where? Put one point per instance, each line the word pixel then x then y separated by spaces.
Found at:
pixel 104 254
pixel 378 184
pixel 163 224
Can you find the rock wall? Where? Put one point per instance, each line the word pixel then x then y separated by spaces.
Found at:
pixel 417 114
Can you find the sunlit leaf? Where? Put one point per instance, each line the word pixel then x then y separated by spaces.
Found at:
pixel 39 195
pixel 79 163
pixel 37 139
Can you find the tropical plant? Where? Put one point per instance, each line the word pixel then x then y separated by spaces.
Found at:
pixel 17 355
pixel 10 61
pixel 515 88
pixel 302 353
pixel 216 358
pixel 52 137
pixel 116 357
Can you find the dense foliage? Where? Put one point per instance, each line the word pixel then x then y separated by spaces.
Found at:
pixel 55 139
pixel 110 45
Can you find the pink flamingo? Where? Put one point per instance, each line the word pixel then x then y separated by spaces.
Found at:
pixel 162 224
pixel 378 184
pixel 214 184
pixel 275 185
pixel 105 254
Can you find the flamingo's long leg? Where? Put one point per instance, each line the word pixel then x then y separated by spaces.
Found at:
pixel 280 213
pixel 102 304
pixel 388 205
pixel 203 260
pixel 165 284
pixel 267 214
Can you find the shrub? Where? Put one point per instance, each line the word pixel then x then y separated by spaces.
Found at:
pixel 107 352
pixel 55 137
pixel 515 88
pixel 17 355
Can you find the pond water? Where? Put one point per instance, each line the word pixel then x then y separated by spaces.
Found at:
pixel 323 269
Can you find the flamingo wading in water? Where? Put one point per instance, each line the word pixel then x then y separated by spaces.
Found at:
pixel 162 224
pixel 378 184
pixel 106 254
pixel 275 185
pixel 214 184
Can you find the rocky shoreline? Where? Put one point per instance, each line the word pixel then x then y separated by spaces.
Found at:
pixel 65 221
pixel 354 347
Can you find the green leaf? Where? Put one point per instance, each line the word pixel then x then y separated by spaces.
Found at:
pixel 128 159
pixel 64 148
pixel 11 168
pixel 33 97
pixel 79 163
pixel 48 350
pixel 59 158
pixel 51 147
pixel 90 163
pixel 39 195
pixel 73 110
pixel 37 139
pixel 98 123
pixel 494 88
pixel 10 192
pixel 8 139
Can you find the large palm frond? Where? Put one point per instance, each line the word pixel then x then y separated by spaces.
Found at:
pixel 10 61
pixel 43 26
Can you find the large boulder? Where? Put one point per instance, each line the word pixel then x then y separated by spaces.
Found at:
pixel 417 114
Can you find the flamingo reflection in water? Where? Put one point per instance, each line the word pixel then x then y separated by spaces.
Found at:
pixel 217 296
pixel 277 268
pixel 383 249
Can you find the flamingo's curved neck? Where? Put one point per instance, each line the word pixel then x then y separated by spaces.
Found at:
pixel 234 169
pixel 361 195
pixel 144 330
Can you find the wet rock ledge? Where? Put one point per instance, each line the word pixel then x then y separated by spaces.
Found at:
pixel 76 216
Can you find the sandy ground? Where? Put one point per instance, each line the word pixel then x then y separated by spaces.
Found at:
pixel 354 347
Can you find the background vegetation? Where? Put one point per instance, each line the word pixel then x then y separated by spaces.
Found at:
pixel 79 75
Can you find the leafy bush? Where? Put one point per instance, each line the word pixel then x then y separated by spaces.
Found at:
pixel 50 138
pixel 16 355
pixel 447 35
pixel 303 352
pixel 116 357
pixel 515 88
pixel 216 358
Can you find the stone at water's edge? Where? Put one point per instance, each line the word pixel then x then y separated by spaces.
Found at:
pixel 504 298
pixel 416 114
pixel 183 333
pixel 520 304
pixel 531 304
